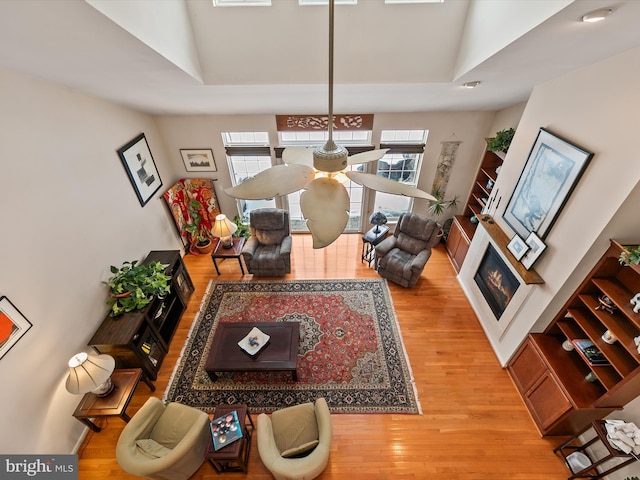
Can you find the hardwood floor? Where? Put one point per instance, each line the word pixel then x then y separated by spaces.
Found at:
pixel 473 426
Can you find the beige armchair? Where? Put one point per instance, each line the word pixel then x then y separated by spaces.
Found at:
pixel 401 258
pixel 294 443
pixel 267 252
pixel 163 442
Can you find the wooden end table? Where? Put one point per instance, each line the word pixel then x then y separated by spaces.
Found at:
pixel 115 404
pixel 235 456
pixel 279 354
pixel 233 252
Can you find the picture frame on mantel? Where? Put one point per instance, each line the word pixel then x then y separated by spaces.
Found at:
pixel 13 325
pixel 198 160
pixel 550 174
pixel 517 247
pixel 141 168
pixel 535 248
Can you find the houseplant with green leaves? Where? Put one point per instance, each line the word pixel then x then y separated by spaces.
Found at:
pixel 134 285
pixel 440 204
pixel 502 141
pixel 200 236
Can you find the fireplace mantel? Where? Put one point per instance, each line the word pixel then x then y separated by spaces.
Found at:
pixel 501 241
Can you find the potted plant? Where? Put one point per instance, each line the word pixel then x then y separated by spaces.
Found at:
pixel 133 285
pixel 502 141
pixel 243 229
pixel 630 256
pixel 200 236
pixel 439 205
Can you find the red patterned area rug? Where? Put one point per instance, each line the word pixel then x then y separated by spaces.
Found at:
pixel 350 351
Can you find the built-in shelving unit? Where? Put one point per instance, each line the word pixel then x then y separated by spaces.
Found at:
pixel 553 381
pixel 141 338
pixel 463 228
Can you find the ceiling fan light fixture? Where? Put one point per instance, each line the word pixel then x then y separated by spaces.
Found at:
pixel 330 157
pixel 597 15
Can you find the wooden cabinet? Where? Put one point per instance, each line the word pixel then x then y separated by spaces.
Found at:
pixel 141 338
pixel 486 176
pixel 552 380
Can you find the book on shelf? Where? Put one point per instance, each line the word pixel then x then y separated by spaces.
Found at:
pixel 225 430
pixel 590 352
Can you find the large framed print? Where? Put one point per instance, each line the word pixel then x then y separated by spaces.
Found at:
pixel 138 162
pixel 550 174
pixel 13 325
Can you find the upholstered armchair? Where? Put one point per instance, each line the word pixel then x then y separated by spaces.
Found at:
pixel 401 258
pixel 163 442
pixel 294 443
pixel 267 252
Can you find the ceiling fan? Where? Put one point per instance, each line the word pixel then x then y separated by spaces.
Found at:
pixel 324 201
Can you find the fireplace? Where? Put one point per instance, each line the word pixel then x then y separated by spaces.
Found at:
pixel 496 281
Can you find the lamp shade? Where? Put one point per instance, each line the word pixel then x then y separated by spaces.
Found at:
pixel 89 372
pixel 223 227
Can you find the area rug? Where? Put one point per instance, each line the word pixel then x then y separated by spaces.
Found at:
pixel 350 351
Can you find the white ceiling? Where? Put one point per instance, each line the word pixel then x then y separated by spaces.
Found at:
pixel 388 58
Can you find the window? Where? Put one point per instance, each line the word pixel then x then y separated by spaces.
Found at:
pixel 401 164
pixel 241 3
pixel 248 154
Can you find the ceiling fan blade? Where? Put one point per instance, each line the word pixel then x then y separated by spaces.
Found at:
pixel 298 156
pixel 385 185
pixel 278 180
pixel 325 206
pixel 365 157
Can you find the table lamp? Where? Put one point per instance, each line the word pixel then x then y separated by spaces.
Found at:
pixel 377 219
pixel 90 373
pixel 223 228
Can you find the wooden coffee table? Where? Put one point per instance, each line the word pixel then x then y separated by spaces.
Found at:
pixel 279 354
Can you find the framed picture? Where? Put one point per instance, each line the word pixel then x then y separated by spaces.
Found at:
pixel 138 162
pixel 199 160
pixel 13 325
pixel 550 174
pixel 536 247
pixel 517 247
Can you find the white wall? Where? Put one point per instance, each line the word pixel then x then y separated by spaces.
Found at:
pixel 68 211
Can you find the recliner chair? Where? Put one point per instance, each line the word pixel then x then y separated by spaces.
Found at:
pixel 163 442
pixel 401 258
pixel 294 444
pixel 267 252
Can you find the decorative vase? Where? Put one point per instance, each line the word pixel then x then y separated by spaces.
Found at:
pixel 567 345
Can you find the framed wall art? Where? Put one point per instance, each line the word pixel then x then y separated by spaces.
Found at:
pixel 13 325
pixel 550 174
pixel 517 247
pixel 141 168
pixel 536 247
pixel 198 160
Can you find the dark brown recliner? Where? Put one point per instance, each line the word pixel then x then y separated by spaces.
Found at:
pixel 267 252
pixel 402 257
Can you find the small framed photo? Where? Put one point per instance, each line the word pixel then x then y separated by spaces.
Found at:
pixel 198 160
pixel 13 325
pixel 536 247
pixel 517 247
pixel 138 162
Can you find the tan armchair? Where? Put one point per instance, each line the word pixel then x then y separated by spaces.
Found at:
pixel 163 442
pixel 267 252
pixel 294 443
pixel 401 258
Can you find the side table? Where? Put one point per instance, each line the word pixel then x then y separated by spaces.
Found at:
pixel 235 456
pixel 573 445
pixel 219 252
pixel 115 404
pixel 370 240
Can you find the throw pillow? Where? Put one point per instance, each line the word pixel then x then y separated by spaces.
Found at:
pixel 295 428
pixel 301 450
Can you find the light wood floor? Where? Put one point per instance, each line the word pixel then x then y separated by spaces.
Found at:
pixel 473 426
